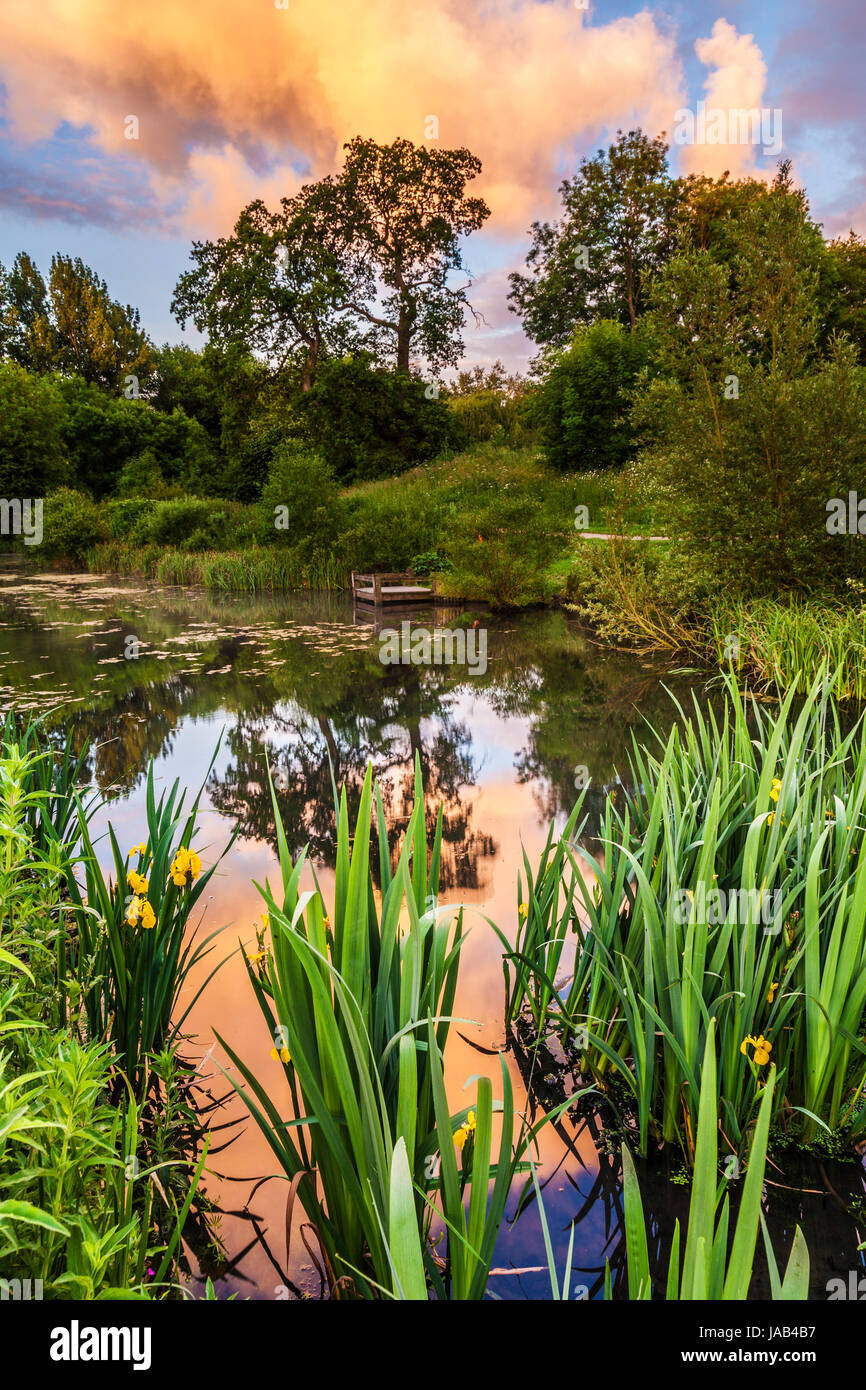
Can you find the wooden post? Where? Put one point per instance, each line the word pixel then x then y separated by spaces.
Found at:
pixel 377 590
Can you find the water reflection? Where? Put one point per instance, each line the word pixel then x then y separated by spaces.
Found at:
pixel 294 683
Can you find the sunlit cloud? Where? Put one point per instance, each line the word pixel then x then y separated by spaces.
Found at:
pixel 248 97
pixel 735 84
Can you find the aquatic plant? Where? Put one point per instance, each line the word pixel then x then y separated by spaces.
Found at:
pixel 784 644
pixel 357 1002
pixel 716 1263
pixel 346 997
pixel 734 886
pixel 131 950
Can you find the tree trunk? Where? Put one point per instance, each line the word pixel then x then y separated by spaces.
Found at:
pixel 404 337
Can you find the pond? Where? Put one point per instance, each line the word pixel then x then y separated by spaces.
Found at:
pixel 218 687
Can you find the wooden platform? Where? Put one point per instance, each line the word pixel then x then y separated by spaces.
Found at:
pixel 398 590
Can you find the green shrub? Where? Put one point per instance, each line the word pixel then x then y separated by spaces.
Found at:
pixel 125 517
pixel 72 525
pixel 142 477
pixel 488 416
pixel 32 457
pixel 503 552
pixel 373 423
pixel 300 498
pixel 582 407
pixel 195 522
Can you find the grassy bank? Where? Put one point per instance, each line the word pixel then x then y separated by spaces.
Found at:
pixel 494 524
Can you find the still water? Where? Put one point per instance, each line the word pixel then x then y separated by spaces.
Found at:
pixel 216 688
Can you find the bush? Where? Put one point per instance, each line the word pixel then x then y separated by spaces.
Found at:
pixel 102 434
pixel 142 477
pixel 195 523
pixel 72 525
pixel 488 416
pixel 504 552
pixel 32 458
pixel 582 407
pixel 125 517
pixel 372 423
pixel 300 498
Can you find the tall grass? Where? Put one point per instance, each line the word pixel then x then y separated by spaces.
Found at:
pixel 357 1003
pixel 784 644
pixel 257 569
pixel 674 928
pixel 131 950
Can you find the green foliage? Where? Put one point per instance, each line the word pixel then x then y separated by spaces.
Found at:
pixel 488 416
pixel 714 1266
pixel 346 996
pixel 32 455
pixel 299 499
pixel 126 517
pixel 194 523
pixel 751 432
pixel 133 946
pixel 394 217
pixel 72 524
pixel 81 1210
pixel 187 380
pixel 786 644
pixel 74 326
pixel 370 422
pixel 503 546
pixel 619 226
pixel 142 477
pixel 844 296
pixel 767 810
pixel 582 407
pixel 103 434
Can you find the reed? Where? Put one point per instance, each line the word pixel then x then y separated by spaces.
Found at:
pixel 717 1263
pixel 357 1002
pixel 346 998
pixel 131 951
pixel 729 817
pixel 784 645
pixel 258 569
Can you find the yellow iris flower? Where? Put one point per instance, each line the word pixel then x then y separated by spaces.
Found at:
pixel 762 1047
pixel 281 1056
pixel 185 863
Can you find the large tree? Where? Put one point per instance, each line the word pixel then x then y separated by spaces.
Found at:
pixel 89 333
pixel 358 260
pixel 619 226
pixel 395 216
pixel 24 314
pixel 275 287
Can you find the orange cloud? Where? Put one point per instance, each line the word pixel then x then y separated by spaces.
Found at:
pixel 233 99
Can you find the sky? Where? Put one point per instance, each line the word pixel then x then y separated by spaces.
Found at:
pixel 240 99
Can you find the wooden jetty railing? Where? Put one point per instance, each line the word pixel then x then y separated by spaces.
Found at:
pixel 396 588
